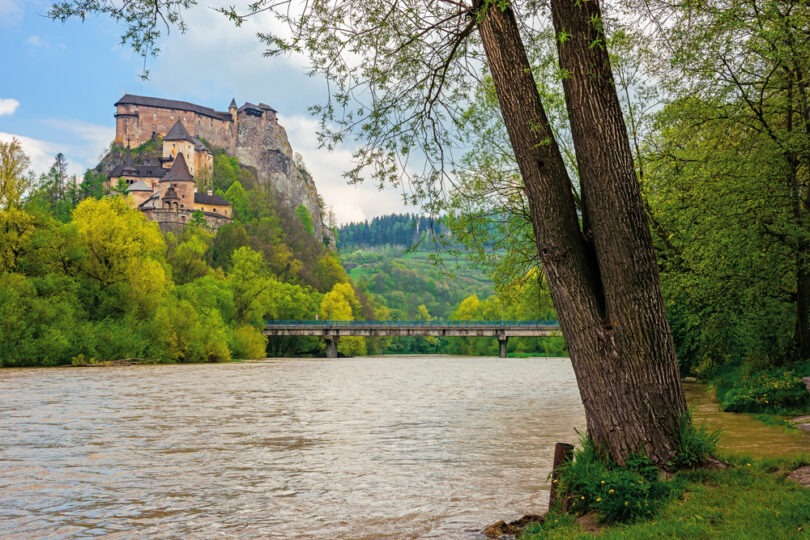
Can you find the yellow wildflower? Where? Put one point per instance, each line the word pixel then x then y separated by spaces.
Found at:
pixel 598 499
pixel 611 491
pixel 583 497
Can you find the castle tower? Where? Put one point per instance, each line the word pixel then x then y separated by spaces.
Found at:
pixel 129 170
pixel 232 108
pixel 177 186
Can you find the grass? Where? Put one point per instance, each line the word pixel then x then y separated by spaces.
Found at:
pixel 751 499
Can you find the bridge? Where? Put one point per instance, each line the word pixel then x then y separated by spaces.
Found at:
pixel 331 331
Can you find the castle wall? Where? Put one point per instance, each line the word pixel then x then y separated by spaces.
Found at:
pixel 185 190
pixel 136 123
pixel 214 209
pixel 174 221
pixel 180 147
pixel 203 161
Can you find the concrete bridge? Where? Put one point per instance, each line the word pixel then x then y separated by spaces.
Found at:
pixel 331 331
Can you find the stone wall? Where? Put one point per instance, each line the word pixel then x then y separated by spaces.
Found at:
pixel 174 220
pixel 136 123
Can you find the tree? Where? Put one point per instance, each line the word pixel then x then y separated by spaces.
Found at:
pixel 251 283
pixel 13 169
pixel 741 82
pixel 113 234
pixel 341 304
pixel 415 64
pixel 306 219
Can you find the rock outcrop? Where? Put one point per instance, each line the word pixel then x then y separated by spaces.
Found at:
pixel 267 150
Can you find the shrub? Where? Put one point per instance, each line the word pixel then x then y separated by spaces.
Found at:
pixel 248 343
pixel 775 389
pixel 620 494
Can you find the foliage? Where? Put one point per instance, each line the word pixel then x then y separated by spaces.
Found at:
pixel 403 280
pixel 341 304
pixel 745 501
pixel 248 342
pixel 102 283
pixel 778 390
pixel 303 214
pixel 395 229
pixel 13 174
pixel 695 443
pixel 592 481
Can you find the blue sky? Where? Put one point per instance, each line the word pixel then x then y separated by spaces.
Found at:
pixel 60 82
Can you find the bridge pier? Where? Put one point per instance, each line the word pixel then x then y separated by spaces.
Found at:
pixel 331 346
pixel 502 346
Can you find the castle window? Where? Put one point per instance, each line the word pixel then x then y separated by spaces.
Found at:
pixel 154 127
pixel 214 209
pixel 154 116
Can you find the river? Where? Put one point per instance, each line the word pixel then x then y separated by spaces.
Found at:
pixel 371 447
pixel 388 447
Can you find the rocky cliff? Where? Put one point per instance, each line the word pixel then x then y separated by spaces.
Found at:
pixel 266 149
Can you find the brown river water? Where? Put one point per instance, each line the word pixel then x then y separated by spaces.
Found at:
pixel 392 447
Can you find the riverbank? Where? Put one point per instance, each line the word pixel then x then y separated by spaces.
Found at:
pixel 752 498
pixel 763 493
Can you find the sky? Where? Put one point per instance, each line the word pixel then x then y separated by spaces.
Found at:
pixel 60 80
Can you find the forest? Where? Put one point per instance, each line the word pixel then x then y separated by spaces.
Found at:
pixel 84 278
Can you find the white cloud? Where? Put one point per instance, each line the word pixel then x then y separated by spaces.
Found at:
pixel 92 138
pixel 215 57
pixel 350 202
pixel 42 153
pixel 8 106
pixel 38 42
pixel 81 143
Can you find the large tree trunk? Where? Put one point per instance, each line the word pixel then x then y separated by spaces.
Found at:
pixel 604 282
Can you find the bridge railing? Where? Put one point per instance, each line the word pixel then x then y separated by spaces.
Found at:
pixel 410 323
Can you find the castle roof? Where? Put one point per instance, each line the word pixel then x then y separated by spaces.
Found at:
pixel 259 107
pixel 151 202
pixel 140 185
pixel 130 99
pixel 205 198
pixel 129 164
pixel 233 104
pixel 178 133
pixel 179 171
pixel 170 194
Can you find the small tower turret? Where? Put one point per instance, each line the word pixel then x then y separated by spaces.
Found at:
pixel 233 109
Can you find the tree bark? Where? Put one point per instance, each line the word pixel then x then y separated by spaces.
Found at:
pixel 603 280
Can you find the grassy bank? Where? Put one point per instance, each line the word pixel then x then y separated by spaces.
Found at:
pixel 739 387
pixel 751 499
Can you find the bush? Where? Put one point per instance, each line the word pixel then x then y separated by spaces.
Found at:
pixel 773 390
pixel 620 494
pixel 248 343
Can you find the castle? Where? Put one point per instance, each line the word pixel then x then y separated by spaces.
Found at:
pixel 188 132
pixel 139 118
pixel 165 191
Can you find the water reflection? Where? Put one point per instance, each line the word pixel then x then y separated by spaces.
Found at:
pixel 351 448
